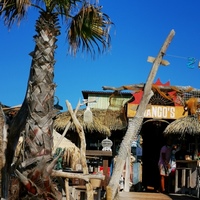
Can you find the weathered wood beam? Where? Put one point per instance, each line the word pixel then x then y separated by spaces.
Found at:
pixel 69 123
pixel 152 59
pixel 81 134
pixel 80 175
pixel 161 87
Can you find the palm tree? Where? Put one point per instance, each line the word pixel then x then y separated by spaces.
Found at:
pixel 88 29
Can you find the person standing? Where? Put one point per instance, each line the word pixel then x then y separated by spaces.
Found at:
pixel 175 149
pixel 180 155
pixel 164 165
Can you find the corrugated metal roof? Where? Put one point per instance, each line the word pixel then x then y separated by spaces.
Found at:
pixel 86 92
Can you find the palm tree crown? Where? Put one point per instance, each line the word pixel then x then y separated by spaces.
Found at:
pixel 86 23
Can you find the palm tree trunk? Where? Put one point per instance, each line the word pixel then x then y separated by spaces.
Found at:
pixel 40 96
pixel 16 127
pixel 37 110
pixel 40 93
pixel 135 123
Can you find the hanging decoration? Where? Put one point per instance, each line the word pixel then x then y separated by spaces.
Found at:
pixel 88 116
pixel 191 61
pixel 106 144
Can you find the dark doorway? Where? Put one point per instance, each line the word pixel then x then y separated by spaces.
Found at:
pixel 153 140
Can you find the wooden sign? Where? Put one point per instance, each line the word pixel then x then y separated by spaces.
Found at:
pixel 158 111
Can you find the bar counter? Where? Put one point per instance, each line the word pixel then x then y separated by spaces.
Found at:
pixel 185 175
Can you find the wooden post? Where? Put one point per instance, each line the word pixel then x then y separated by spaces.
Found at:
pixel 69 123
pixel 176 188
pixel 127 174
pixel 135 123
pixel 105 172
pixel 67 189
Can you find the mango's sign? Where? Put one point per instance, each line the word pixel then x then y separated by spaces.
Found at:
pixel 158 111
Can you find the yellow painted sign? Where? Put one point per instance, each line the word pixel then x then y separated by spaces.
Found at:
pixel 158 111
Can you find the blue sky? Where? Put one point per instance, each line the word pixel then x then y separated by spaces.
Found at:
pixel 140 30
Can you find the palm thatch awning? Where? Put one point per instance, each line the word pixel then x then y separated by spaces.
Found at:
pixel 104 121
pixel 71 155
pixel 185 125
pixel 65 143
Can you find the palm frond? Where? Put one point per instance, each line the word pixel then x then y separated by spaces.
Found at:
pixel 90 26
pixel 63 6
pixel 13 11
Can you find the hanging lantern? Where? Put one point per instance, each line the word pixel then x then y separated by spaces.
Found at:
pixel 88 116
pixel 106 144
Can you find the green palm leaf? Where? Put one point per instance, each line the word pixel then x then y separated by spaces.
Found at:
pixel 62 7
pixel 90 26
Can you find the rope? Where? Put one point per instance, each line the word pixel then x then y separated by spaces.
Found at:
pixel 191 60
pixel 177 56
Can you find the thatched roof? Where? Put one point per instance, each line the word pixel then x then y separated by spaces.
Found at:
pixel 71 155
pixel 65 143
pixel 185 125
pixel 104 121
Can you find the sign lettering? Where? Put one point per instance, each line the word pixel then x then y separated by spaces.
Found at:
pixel 158 111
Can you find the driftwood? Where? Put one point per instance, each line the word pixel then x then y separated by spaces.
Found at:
pixel 85 177
pixel 140 86
pixel 81 134
pixel 67 127
pixel 67 188
pixel 135 123
pixel 30 161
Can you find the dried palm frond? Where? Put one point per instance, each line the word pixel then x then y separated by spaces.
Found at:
pixel 185 125
pixel 71 155
pixel 104 121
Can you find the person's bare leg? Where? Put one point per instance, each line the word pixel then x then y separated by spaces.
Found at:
pixel 162 181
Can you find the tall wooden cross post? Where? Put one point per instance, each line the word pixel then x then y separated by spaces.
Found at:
pixel 135 123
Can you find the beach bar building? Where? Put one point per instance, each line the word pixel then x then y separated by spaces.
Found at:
pixel 111 112
pixel 173 111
